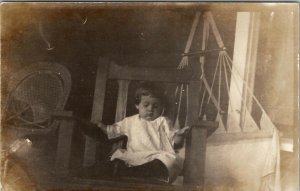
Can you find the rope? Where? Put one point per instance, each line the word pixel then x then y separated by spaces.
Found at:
pixel 219 92
pixel 202 101
pixel 209 90
pixel 226 80
pixel 247 88
pixel 187 105
pixel 177 125
pixel 184 61
pixel 214 77
pixel 226 61
pixel 228 64
pixel 223 61
pixel 179 102
pixel 176 91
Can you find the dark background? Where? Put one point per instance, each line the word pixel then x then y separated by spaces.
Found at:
pixel 141 34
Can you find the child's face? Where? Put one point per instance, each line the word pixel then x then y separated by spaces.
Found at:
pixel 149 108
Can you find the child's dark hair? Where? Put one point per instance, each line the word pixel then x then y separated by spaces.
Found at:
pixel 148 89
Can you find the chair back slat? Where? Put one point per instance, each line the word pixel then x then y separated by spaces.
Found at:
pixel 122 99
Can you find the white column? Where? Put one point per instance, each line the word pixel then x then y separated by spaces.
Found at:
pixel 243 68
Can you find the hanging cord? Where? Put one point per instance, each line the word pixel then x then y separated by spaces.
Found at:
pixel 187 105
pixel 229 60
pixel 219 92
pixel 212 23
pixel 176 91
pixel 214 77
pixel 180 100
pixel 184 60
pixel 228 64
pixel 209 90
pixel 177 125
pixel 226 79
pixel 226 58
pixel 202 101
pixel 49 47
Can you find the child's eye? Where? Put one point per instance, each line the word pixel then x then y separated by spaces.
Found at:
pixel 145 104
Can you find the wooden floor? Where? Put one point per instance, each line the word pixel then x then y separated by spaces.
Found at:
pixel 41 171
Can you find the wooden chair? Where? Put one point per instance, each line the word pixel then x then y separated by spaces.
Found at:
pixel 196 141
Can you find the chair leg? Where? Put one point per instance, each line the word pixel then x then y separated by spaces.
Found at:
pixel 115 168
pixel 64 147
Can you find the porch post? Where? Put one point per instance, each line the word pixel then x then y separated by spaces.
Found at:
pixel 243 68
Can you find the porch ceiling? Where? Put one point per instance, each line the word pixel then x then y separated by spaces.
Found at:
pixel 137 35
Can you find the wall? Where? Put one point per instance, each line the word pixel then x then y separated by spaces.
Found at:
pixel 153 36
pixel 277 73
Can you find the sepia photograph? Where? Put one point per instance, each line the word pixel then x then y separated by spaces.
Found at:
pixel 136 96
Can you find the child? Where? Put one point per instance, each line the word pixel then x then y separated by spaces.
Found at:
pixel 151 138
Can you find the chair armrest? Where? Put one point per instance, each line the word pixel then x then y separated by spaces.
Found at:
pixel 210 126
pixel 88 128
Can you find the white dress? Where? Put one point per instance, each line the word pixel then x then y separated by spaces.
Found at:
pixel 147 140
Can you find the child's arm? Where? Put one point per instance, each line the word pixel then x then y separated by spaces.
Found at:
pixel 92 130
pixel 113 131
pixel 179 137
pixel 102 127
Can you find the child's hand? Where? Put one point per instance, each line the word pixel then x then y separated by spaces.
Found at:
pixel 180 136
pixel 183 130
pixel 102 126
